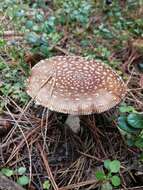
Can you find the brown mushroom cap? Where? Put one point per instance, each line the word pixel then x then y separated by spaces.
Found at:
pixel 75 85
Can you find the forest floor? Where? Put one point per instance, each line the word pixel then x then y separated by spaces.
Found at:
pixel 35 144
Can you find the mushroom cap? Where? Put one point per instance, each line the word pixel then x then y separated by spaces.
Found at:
pixel 75 85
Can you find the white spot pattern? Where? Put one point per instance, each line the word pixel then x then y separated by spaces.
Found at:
pixel 74 83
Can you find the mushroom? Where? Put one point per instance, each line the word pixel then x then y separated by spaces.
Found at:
pixel 75 85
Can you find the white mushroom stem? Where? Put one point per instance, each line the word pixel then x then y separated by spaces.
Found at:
pixel 73 121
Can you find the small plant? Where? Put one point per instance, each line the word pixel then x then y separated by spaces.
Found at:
pixel 109 179
pixel 20 172
pixel 130 123
pixel 7 172
pixel 46 185
pixel 38 30
pixel 74 11
pixel 23 180
pixel 12 84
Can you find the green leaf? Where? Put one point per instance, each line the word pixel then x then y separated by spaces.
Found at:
pixel 36 28
pixel 139 142
pixel 100 175
pixel 130 142
pixel 2 42
pixel 126 109
pixel 7 172
pixel 114 166
pixel 29 24
pixel 46 185
pixel 2 66
pixel 135 120
pixel 122 124
pixel 39 17
pixel 23 180
pixel 140 66
pixel 106 164
pixel 44 49
pixel 32 38
pixel 106 186
pixel 115 180
pixel 21 170
pixel 141 157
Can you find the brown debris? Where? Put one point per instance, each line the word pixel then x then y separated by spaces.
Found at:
pixel 7 184
pixel 32 59
pixel 5 125
pixel 141 81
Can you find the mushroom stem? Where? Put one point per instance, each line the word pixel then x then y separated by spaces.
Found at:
pixel 73 121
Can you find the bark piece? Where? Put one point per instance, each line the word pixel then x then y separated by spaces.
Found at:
pixel 7 184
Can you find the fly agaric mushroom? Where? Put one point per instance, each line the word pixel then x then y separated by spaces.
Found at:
pixel 75 85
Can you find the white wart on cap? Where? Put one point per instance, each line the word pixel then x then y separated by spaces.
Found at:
pixel 75 85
